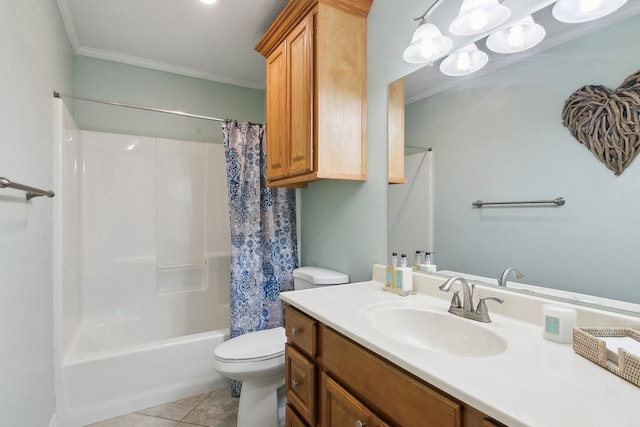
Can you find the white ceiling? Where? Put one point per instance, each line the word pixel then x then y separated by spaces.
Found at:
pixel 213 42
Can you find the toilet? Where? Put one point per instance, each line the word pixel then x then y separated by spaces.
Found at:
pixel 257 359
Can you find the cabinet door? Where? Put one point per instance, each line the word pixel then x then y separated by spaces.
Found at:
pixel 300 376
pixel 341 409
pixel 292 419
pixel 277 113
pixel 300 45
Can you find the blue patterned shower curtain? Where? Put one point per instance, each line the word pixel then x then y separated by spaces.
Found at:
pixel 263 233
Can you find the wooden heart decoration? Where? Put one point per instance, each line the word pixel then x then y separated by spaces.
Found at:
pixel 607 122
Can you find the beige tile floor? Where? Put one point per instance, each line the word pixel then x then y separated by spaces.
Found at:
pixel 215 409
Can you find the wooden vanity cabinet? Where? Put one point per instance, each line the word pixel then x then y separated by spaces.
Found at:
pixel 316 92
pixel 300 368
pixel 333 382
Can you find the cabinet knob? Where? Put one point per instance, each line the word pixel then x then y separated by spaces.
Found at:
pixel 294 383
pixel 295 330
pixel 360 423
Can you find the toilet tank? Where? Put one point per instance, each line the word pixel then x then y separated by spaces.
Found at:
pixel 313 277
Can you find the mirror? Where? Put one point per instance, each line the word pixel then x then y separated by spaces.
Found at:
pixel 497 135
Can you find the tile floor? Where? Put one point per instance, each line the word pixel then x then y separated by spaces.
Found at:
pixel 215 409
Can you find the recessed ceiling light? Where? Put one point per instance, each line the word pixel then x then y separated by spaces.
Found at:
pixel 208 1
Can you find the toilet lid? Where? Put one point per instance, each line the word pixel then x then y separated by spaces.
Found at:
pixel 258 345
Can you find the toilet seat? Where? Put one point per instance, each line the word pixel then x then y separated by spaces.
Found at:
pixel 253 347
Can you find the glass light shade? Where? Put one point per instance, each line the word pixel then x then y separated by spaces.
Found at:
pixel 464 61
pixel 478 16
pixel 521 35
pixel 575 11
pixel 427 45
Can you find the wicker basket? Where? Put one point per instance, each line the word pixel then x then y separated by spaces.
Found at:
pixel 587 344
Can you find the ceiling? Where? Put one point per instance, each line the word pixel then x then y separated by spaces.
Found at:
pixel 213 42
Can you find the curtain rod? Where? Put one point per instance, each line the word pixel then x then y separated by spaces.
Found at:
pixel 138 107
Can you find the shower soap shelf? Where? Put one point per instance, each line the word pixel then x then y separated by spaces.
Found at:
pixel 591 343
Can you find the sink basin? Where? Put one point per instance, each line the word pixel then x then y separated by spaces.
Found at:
pixel 438 332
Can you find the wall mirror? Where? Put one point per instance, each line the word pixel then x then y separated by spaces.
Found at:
pixel 497 135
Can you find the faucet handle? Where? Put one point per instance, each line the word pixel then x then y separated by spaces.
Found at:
pixel 482 306
pixel 455 300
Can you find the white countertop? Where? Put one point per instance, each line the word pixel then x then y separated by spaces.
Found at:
pixel 534 382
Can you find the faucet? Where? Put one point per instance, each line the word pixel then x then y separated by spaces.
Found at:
pixel 480 314
pixel 505 274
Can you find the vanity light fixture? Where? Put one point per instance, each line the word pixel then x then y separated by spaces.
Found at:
pixel 465 61
pixel 478 16
pixel 427 44
pixel 208 1
pixel 521 35
pixel 575 11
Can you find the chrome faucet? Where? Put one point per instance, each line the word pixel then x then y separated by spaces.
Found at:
pixel 505 275
pixel 466 309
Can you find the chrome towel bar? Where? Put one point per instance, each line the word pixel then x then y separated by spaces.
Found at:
pixel 31 191
pixel 558 201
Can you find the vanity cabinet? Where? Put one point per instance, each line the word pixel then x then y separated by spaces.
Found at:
pixel 316 92
pixel 332 381
pixel 300 368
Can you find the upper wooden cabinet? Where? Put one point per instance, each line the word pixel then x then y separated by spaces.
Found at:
pixel 316 91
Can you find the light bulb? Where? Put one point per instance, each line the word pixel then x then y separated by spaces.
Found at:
pixel 587 6
pixel 478 19
pixel 515 37
pixel 463 62
pixel 427 50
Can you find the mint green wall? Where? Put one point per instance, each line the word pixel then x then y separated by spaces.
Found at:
pixel 100 79
pixel 344 224
pixel 500 137
pixel 35 59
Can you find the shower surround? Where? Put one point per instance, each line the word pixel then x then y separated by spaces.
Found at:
pixel 141 270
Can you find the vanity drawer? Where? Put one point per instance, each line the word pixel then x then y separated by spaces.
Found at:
pixel 390 392
pixel 300 377
pixel 302 331
pixel 340 408
pixel 292 419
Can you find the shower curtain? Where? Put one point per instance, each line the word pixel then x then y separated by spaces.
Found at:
pixel 263 233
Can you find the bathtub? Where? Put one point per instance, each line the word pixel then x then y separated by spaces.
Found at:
pixel 101 383
pixel 141 259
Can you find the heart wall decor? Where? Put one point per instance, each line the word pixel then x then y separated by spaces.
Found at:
pixel 607 121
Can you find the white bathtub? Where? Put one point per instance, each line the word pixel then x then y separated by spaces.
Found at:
pixel 140 271
pixel 101 384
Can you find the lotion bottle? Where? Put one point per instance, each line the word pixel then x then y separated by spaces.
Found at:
pixel 404 275
pixel 417 261
pixel 428 266
pixel 391 271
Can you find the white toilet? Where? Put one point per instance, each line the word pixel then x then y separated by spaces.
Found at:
pixel 257 359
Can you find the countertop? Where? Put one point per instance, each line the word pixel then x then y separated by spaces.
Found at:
pixel 535 382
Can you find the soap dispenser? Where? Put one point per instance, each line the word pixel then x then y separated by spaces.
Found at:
pixel 428 265
pixel 404 275
pixel 391 270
